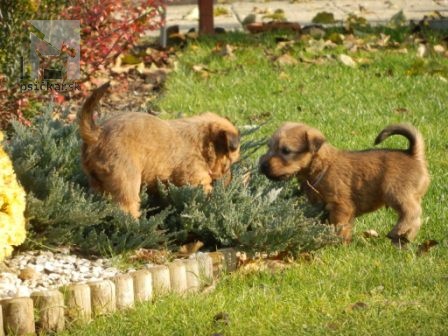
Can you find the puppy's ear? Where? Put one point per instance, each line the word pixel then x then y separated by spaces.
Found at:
pixel 315 140
pixel 226 141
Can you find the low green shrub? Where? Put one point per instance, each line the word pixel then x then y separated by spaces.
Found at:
pixel 255 215
pixel 60 209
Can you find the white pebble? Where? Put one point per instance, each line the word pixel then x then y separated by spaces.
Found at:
pixel 23 291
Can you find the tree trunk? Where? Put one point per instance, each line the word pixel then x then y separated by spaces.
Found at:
pixel 206 17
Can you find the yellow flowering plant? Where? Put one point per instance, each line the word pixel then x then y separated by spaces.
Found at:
pixel 12 207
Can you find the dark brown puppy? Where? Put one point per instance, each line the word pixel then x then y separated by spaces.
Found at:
pixel 132 149
pixel 351 183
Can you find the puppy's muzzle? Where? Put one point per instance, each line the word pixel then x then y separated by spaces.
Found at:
pixel 265 169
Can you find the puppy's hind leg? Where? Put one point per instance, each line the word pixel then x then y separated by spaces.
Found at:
pixel 409 222
pixel 127 194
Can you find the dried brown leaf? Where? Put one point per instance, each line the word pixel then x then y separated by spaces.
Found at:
pixel 286 59
pixel 222 317
pixel 422 50
pixel 347 61
pixel 202 70
pixel 357 306
pixel 224 50
pixel 438 48
pixel 370 234
pixel 151 255
pixel 401 110
pixel 424 247
pixel 383 41
pixel 333 326
pixel 363 61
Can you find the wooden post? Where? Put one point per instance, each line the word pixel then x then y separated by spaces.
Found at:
pixel 2 331
pixel 18 316
pixel 160 279
pixel 103 297
pixel 124 289
pixel 142 285
pixel 206 17
pixel 178 276
pixel 205 267
pixel 78 303
pixel 230 261
pixel 49 306
pixel 193 275
pixel 218 262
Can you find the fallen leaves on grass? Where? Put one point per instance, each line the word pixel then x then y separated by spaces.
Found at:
pixel 286 59
pixel 224 50
pixel 201 70
pixel 370 234
pixel 222 317
pixel 377 290
pixel 260 265
pixel 427 67
pixel 426 246
pixel 422 51
pixel 347 61
pixel 356 306
pixel 401 110
pixel 439 49
pixel 336 38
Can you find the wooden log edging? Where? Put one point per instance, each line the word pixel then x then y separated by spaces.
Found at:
pixel 178 276
pixel 18 316
pixel 50 310
pixel 142 285
pixel 124 291
pixel 161 282
pixel 49 306
pixel 193 275
pixel 103 297
pixel 2 330
pixel 78 304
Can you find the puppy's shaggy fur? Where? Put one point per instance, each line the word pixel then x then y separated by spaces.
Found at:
pixel 132 149
pixel 351 183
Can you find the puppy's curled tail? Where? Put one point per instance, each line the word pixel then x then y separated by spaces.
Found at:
pixel 416 143
pixel 89 131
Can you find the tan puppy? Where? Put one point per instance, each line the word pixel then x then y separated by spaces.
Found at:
pixel 351 183
pixel 132 149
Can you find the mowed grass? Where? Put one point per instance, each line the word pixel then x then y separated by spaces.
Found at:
pixel 366 288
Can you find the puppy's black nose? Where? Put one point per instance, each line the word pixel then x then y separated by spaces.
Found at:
pixel 264 167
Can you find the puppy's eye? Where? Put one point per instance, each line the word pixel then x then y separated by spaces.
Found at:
pixel 286 151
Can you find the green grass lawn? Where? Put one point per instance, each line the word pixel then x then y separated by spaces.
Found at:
pixel 366 288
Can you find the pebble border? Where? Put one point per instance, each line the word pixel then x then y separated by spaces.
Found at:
pixel 52 310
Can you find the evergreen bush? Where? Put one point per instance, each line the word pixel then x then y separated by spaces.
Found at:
pixel 255 215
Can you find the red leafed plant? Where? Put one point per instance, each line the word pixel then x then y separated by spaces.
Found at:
pixel 109 27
